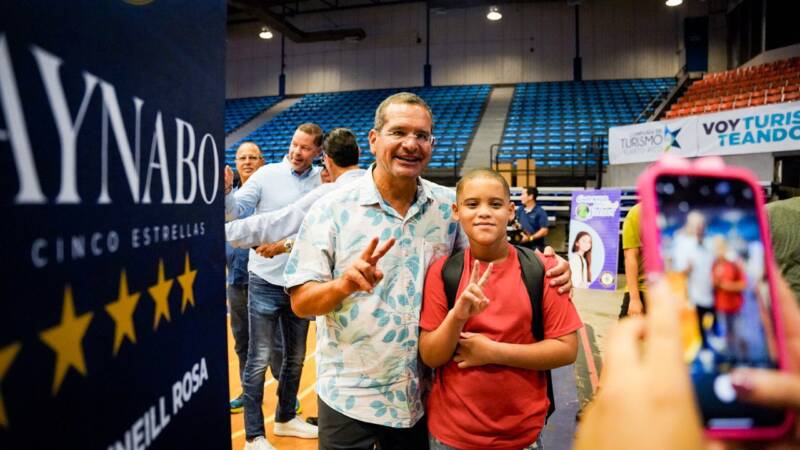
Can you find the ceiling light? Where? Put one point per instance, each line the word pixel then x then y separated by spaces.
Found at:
pixel 674 2
pixel 265 33
pixel 494 14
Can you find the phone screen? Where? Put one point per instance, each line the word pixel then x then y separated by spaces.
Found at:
pixel 714 258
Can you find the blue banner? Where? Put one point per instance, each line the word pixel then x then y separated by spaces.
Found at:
pixel 594 238
pixel 112 318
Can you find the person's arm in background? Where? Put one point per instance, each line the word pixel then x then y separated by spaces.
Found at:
pixel 245 197
pixel 275 225
pixel 631 255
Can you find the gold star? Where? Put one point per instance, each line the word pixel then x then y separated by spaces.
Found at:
pixel 186 280
pixel 160 294
pixel 65 339
pixel 122 312
pixel 7 355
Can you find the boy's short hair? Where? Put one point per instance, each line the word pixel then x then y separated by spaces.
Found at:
pixel 340 145
pixel 483 173
pixel 532 191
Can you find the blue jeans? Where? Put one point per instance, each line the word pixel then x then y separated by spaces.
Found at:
pixel 237 298
pixel 273 311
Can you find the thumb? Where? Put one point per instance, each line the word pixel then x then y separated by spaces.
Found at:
pixel 466 334
pixel 767 387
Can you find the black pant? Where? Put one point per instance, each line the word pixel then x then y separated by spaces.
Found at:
pixel 626 300
pixel 337 431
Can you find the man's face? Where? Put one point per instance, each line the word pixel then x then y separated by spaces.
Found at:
pixel 483 208
pixel 525 197
pixel 248 160
pixel 302 151
pixel 403 147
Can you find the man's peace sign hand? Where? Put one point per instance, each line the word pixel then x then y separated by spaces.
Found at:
pixel 472 300
pixel 363 273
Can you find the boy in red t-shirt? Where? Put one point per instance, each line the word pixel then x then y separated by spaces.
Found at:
pixel 492 393
pixel 729 282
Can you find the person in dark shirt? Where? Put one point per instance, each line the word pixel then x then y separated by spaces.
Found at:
pixel 533 220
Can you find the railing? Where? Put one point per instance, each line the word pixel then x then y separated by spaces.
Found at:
pixel 585 162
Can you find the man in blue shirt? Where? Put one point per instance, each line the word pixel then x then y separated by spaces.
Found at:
pixel 248 160
pixel 272 187
pixel 533 220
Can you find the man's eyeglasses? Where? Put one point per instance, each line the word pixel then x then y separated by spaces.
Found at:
pixel 420 137
pixel 248 158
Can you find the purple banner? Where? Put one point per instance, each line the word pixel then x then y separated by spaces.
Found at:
pixel 594 238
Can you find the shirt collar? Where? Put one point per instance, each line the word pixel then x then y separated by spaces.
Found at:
pixel 349 175
pixel 301 176
pixel 369 194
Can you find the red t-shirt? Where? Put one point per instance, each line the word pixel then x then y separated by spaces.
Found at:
pixel 726 301
pixel 493 406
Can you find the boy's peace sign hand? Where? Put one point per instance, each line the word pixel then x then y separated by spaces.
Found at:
pixel 363 273
pixel 472 301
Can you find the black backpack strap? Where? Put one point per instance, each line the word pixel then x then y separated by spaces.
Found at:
pixel 451 276
pixel 533 275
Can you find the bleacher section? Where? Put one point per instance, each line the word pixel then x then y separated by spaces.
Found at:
pixel 554 122
pixel 456 109
pixel 741 88
pixel 239 111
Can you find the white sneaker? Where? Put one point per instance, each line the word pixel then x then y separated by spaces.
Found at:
pixel 295 428
pixel 259 443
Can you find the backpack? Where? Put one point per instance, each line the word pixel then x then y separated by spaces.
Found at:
pixel 533 276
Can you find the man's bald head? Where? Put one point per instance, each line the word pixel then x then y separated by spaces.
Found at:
pixel 248 159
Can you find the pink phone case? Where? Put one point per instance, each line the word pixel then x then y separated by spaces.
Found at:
pixel 651 243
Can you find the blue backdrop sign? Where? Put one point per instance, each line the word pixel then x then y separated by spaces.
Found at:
pixel 112 315
pixel 594 238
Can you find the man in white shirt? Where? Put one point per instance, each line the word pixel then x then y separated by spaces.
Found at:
pixel 270 230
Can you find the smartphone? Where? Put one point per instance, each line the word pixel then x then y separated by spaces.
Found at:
pixel 704 228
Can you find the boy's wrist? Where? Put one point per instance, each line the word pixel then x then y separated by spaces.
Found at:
pixel 455 321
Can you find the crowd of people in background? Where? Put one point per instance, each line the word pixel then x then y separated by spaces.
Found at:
pixel 366 252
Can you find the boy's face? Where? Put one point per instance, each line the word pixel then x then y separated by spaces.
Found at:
pixel 484 209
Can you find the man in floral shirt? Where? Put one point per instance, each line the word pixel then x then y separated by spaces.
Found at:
pixel 386 227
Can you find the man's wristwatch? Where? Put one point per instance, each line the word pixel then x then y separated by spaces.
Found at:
pixel 287 245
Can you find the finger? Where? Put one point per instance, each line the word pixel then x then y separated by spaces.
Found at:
pixel 767 387
pixel 466 334
pixel 476 291
pixel 473 276
pixel 622 348
pixel 357 279
pixel 563 281
pixel 562 267
pixel 485 275
pixel 463 365
pixel 375 257
pixel 378 276
pixel 458 357
pixel 366 269
pixel 548 251
pixel 663 328
pixel 367 253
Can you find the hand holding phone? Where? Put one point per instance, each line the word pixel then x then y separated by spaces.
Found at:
pixel 704 229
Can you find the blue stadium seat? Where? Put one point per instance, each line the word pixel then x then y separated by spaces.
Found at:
pixel 563 116
pixel 457 110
